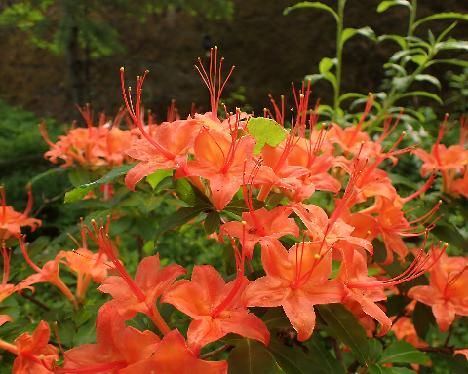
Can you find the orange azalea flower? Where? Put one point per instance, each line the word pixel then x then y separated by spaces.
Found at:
pixel 364 290
pixel 139 295
pixel 117 346
pixel 333 231
pixel 261 226
pixel 150 282
pixel 34 354
pixel 296 280
pixel 48 273
pixel 449 160
pixel 175 138
pixel 6 289
pixel 172 356
pixel 404 330
pixel 223 160
pixel 11 221
pixel 216 308
pixel 86 264
pixel 91 147
pixel 446 292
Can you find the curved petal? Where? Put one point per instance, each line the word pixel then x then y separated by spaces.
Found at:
pixel 444 314
pixel 266 292
pixel 300 312
pixel 243 323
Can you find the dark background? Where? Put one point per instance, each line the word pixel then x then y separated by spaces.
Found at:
pixel 269 50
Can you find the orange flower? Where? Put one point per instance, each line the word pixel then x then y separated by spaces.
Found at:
pixel 34 354
pixel 296 280
pixel 261 226
pixel 449 160
pixel 11 221
pixel 215 307
pixel 91 147
pixel 48 273
pixel 404 330
pixel 172 356
pixel 223 160
pixel 117 346
pixel 174 138
pixel 446 292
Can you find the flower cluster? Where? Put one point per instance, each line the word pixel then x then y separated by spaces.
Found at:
pixel 309 254
pixel 101 145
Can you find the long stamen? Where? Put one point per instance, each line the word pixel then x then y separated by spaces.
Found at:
pixel 6 264
pixel 135 112
pixel 213 80
pixel 418 267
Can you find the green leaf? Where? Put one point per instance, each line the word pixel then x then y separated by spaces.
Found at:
pixel 185 191
pixel 403 352
pixel 79 176
pixel 451 235
pixel 439 16
pixel 155 178
pixel 212 222
pixel 422 93
pixel 309 5
pixel 422 319
pixel 78 193
pixel 349 32
pixel 400 40
pixel 377 369
pixel 343 325
pixel 266 131
pixel 311 357
pixel 428 78
pixel 384 5
pixel 251 357
pixel 313 77
pixel 450 61
pixel 325 65
pixel 178 218
pixel 453 44
pixel 419 59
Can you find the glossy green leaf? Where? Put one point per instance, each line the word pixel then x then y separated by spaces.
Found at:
pixel 440 16
pixel 313 77
pixel 419 59
pixel 185 191
pixel 325 65
pixel 377 369
pixel 178 218
pixel 251 357
pixel 349 32
pixel 451 235
pixel 384 5
pixel 400 40
pixel 453 45
pixel 403 352
pixel 450 61
pixel 422 319
pixel 155 178
pixel 212 222
pixel 343 325
pixel 311 5
pixel 266 131
pixel 78 193
pixel 422 93
pixel 311 357
pixel 428 78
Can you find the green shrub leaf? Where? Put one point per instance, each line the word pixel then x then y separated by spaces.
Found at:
pixel 266 131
